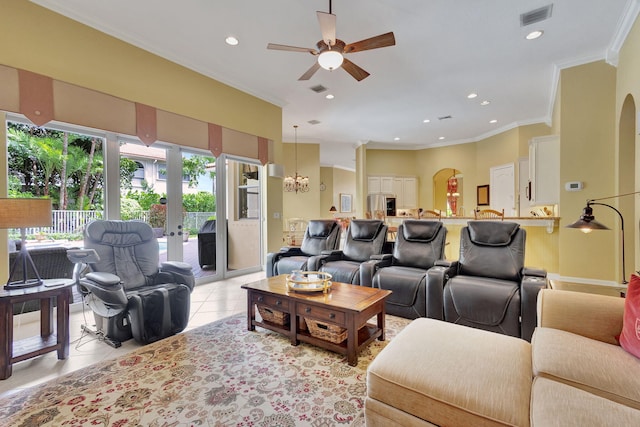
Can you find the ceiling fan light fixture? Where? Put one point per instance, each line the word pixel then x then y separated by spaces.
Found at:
pixel 330 60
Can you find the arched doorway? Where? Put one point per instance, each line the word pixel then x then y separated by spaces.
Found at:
pixel 628 181
pixel 449 202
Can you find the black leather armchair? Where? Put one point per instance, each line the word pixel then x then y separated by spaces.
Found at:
pixel 130 292
pixel 320 235
pixel 488 287
pixel 419 244
pixel 364 238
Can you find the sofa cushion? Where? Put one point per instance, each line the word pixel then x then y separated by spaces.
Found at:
pixel 428 371
pixel 557 404
pixel 602 369
pixel 630 335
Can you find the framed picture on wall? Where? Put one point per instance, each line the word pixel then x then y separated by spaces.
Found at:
pixel 483 195
pixel 345 202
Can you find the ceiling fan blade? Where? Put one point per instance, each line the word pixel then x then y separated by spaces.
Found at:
pixel 274 46
pixel 383 40
pixel 310 72
pixel 327 26
pixel 355 71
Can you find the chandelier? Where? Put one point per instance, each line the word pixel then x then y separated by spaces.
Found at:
pixel 296 183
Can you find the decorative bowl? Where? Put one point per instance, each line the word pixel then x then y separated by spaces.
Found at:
pixel 309 281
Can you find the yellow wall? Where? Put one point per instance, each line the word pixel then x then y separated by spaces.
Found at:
pixel 587 152
pixel 628 88
pixel 344 182
pixel 303 205
pixel 52 45
pixel 473 160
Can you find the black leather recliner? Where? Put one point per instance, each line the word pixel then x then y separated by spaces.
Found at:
pixel 130 293
pixel 419 244
pixel 364 238
pixel 320 235
pixel 488 287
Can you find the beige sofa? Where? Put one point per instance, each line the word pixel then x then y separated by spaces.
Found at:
pixel 572 374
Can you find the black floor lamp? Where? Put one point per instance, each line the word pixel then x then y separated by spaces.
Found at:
pixel 587 223
pixel 23 213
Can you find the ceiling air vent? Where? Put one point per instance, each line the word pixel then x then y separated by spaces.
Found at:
pixel 313 122
pixel 445 117
pixel 318 88
pixel 536 15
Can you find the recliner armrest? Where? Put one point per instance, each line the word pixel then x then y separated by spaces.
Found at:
pixel 529 289
pixel 274 257
pixel 290 251
pixel 103 279
pixel 106 287
pixel 176 271
pixel 384 257
pixel 368 268
pixel 437 277
pixel 330 255
pixel 446 263
pixel 537 272
pixel 176 267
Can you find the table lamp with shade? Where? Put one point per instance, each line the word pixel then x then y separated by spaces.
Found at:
pixel 23 213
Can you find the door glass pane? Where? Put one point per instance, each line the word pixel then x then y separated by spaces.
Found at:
pixel 243 216
pixel 199 212
pixel 65 166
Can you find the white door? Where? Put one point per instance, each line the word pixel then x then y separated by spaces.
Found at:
pixel 523 187
pixel 502 190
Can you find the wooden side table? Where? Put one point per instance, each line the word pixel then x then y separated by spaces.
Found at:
pixel 12 352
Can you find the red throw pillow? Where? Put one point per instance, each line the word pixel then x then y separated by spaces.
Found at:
pixel 630 336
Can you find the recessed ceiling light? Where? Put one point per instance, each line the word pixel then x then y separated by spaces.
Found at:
pixel 231 41
pixel 441 138
pixel 329 96
pixel 485 102
pixel 493 121
pixel 534 35
pixel 426 121
pixel 472 95
pixel 396 139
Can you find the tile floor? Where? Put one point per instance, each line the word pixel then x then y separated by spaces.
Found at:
pixel 209 302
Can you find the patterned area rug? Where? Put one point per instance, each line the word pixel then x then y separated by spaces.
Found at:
pixel 216 375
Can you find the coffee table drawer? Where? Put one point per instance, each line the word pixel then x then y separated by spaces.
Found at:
pixel 320 313
pixel 278 303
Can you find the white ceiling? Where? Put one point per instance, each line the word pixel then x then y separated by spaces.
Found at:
pixel 444 50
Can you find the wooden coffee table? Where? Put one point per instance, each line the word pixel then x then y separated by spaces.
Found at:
pixel 346 306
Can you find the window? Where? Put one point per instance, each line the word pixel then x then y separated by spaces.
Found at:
pixel 139 173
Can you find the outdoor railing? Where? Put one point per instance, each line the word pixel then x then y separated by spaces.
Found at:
pixel 73 222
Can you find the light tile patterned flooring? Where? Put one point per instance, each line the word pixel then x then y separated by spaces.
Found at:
pixel 209 302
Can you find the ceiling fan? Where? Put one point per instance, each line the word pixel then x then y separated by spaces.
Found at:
pixel 330 50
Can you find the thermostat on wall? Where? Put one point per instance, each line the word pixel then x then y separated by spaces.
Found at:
pixel 573 186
